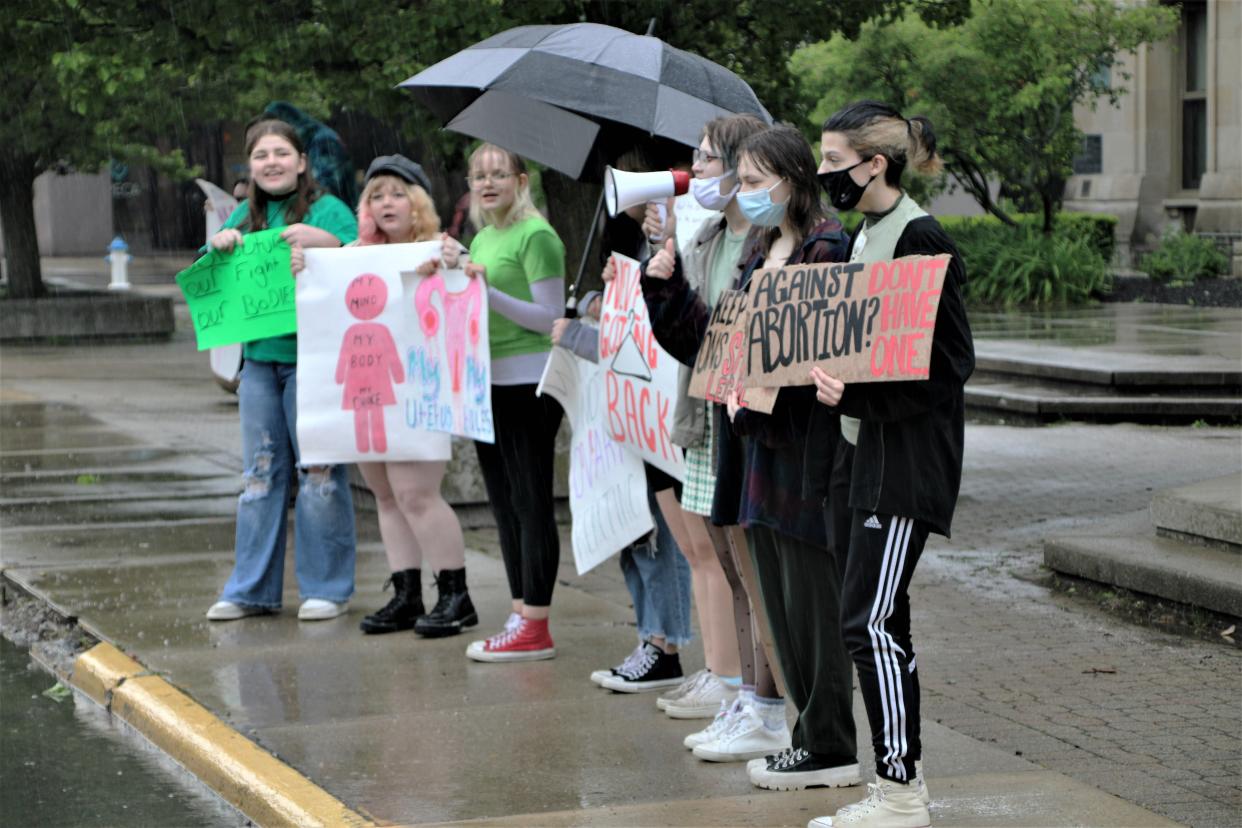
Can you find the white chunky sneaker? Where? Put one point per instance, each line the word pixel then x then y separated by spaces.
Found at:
pixel 703 701
pixel 888 804
pixel 228 611
pixel 920 783
pixel 745 738
pixel 318 609
pixel 682 689
pixel 719 725
pixel 630 660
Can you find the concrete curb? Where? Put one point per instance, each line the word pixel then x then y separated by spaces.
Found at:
pixel 256 783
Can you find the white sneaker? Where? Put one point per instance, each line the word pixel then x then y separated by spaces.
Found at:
pixel 317 609
pixel 746 738
pixel 228 611
pixel 630 660
pixel 703 701
pixel 682 689
pixel 718 726
pixel 888 805
pixel 920 783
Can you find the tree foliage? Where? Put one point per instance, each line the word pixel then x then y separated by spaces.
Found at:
pixel 1000 88
pixel 95 80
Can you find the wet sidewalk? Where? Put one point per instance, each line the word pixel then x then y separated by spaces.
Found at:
pixel 120 465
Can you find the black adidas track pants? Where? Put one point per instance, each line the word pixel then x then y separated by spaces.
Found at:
pixel 875 621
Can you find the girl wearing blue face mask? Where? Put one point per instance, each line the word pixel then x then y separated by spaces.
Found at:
pixel 759 470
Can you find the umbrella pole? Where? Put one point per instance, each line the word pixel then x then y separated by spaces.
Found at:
pixel 571 304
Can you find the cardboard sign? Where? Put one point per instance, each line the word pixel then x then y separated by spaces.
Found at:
pixel 389 363
pixel 721 362
pixel 859 321
pixel 640 378
pixel 243 295
pixel 607 484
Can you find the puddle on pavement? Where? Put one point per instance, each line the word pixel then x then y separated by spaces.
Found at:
pixel 69 763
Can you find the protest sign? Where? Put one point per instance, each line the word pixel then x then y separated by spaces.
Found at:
pixel 389 363
pixel 242 295
pixel 640 378
pixel 859 321
pixel 690 217
pixel 607 484
pixel 721 362
pixel 220 205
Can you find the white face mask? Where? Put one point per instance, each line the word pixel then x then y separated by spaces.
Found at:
pixel 707 192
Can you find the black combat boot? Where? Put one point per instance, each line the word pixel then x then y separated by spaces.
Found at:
pixel 453 611
pixel 405 607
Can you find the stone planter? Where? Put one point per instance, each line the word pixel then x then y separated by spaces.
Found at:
pixel 73 315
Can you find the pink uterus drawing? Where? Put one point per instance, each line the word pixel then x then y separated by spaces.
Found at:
pixel 369 363
pixel 460 313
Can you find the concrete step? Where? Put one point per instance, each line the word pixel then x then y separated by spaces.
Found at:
pixel 1209 511
pixel 1112 368
pixel 1049 401
pixel 1125 553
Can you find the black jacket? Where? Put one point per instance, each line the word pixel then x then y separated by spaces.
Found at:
pixel 908 460
pixel 756 481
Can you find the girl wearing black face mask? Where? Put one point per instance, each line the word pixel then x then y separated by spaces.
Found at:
pixel 898 456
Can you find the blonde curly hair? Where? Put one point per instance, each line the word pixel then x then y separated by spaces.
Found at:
pixel 426 220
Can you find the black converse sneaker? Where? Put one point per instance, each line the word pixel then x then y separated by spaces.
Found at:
pixel 798 769
pixel 654 669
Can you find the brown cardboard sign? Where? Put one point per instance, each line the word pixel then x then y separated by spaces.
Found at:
pixel 720 364
pixel 858 321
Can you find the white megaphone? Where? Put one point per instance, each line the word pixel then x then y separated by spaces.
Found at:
pixel 623 190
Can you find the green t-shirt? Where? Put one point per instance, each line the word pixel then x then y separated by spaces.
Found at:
pixel 327 213
pixel 516 257
pixel 724 265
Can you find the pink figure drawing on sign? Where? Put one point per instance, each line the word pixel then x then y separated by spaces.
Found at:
pixel 369 364
pixel 460 315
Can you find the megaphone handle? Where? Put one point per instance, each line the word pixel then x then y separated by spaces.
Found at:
pixel 663 209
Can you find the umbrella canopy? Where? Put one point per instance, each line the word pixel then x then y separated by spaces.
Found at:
pixel 556 93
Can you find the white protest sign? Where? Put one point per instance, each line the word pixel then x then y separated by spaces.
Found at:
pixel 220 205
pixel 640 378
pixel 607 485
pixel 389 363
pixel 690 217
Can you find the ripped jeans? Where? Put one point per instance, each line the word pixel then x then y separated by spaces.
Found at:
pixel 323 514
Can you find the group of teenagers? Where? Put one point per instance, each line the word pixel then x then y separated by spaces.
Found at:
pixel 794 534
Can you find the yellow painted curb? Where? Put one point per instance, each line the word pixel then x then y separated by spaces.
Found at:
pixel 100 669
pixel 258 784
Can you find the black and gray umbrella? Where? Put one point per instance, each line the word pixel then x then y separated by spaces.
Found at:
pixel 559 94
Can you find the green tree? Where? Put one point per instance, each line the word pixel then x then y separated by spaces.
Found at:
pixel 1000 88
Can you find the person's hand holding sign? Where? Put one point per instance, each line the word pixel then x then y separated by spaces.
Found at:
pixel 297 259
pixel 662 263
pixel 308 236
pixel 733 402
pixel 226 240
pixel 828 390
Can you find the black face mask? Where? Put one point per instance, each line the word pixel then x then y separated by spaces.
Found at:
pixel 843 191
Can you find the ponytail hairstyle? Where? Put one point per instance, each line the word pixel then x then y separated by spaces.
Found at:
pixel 783 151
pixel 522 208
pixel 873 128
pixel 302 197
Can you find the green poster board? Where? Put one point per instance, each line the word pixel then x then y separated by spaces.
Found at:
pixel 243 295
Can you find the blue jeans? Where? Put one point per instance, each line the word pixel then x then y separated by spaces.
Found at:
pixel 658 578
pixel 323 514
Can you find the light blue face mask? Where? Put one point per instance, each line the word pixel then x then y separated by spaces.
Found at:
pixel 758 208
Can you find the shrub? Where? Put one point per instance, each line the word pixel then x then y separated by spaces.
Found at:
pixel 1184 257
pixel 1007 266
pixel 1099 229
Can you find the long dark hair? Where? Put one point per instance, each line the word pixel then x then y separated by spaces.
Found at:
pixel 875 128
pixel 783 151
pixel 303 196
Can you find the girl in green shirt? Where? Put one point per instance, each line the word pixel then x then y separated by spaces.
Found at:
pixel 282 193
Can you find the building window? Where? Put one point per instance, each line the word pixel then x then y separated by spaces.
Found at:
pixel 1089 159
pixel 1194 93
